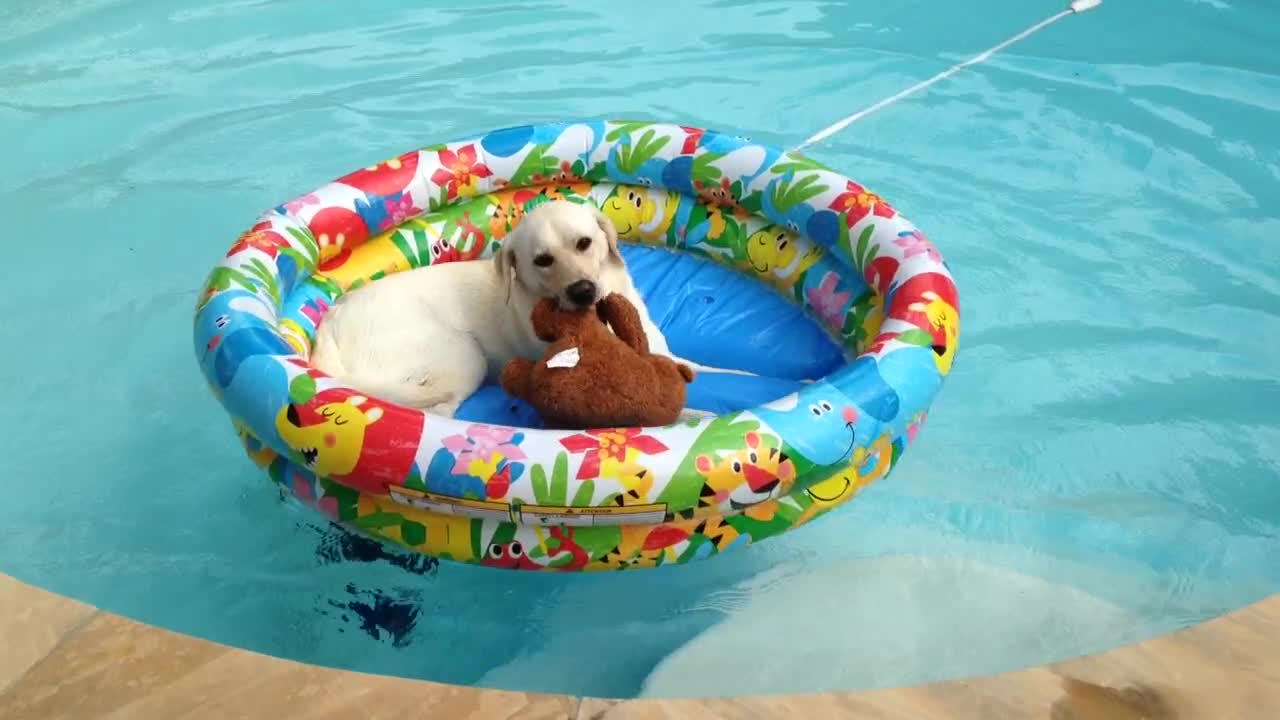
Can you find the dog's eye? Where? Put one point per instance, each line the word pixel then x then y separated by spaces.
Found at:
pixel 583 244
pixel 543 260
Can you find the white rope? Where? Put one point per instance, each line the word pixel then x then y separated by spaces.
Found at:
pixel 1078 6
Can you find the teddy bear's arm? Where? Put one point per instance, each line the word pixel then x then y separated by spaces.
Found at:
pixel 546 320
pixel 515 377
pixel 621 315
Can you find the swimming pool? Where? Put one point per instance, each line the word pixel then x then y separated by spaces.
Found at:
pixel 1100 467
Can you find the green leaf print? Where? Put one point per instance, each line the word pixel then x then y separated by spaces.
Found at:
pixel 413 533
pixel 722 434
pixel 504 533
pixel 328 286
pixel 788 194
pixel 275 470
pixel 586 491
pixel 557 492
pixel 598 539
pixel 758 530
pixel 797 163
pixel 632 156
pixel 597 173
pixel 560 480
pixel 864 252
pixel 223 277
pixel 537 162
pixel 754 203
pixel 733 239
pixel 477 529
pixel 301 389
pixel 346 497
pixel 408 242
pixel 625 128
pixel 379 519
pixel 538 477
pixel 704 170
pixel 308 243
pixel 414 480
pixel 916 336
pixel 263 274
pixel 855 321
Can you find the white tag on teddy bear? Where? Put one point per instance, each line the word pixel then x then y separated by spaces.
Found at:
pixel 565 359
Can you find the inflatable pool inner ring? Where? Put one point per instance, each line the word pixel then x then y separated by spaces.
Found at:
pixel 527 498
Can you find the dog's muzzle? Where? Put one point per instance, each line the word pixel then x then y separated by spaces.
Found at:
pixel 581 293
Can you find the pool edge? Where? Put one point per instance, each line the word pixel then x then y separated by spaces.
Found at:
pixel 66 659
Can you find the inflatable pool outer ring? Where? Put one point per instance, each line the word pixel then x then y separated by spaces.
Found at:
pixel 601 499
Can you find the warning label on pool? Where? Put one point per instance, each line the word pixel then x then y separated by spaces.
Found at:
pixel 445 505
pixel 545 515
pixel 588 516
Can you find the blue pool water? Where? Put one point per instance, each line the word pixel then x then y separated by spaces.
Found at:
pixel 1100 467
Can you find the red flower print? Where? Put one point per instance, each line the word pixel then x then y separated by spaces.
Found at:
pixel 692 137
pixel 499 483
pixel 914 298
pixel 877 345
pixel 605 445
pixel 856 202
pixel 259 238
pixel 461 171
pixel 879 273
pixel 386 178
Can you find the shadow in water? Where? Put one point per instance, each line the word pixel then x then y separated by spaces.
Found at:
pixel 379 614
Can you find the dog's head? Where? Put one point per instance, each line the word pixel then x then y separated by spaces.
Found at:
pixel 561 250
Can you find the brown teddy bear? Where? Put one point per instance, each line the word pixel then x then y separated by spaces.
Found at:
pixel 593 378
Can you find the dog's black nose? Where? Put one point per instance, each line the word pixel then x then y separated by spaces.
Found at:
pixel 582 292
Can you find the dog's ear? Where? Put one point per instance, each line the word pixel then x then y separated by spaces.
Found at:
pixel 504 263
pixel 610 233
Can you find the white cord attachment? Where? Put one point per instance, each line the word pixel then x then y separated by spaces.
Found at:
pixel 1076 7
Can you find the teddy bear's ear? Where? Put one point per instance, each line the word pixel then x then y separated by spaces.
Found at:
pixel 610 234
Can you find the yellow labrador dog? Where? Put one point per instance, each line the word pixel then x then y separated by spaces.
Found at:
pixel 429 337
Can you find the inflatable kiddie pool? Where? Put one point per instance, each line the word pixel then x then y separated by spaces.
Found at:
pixel 527 498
